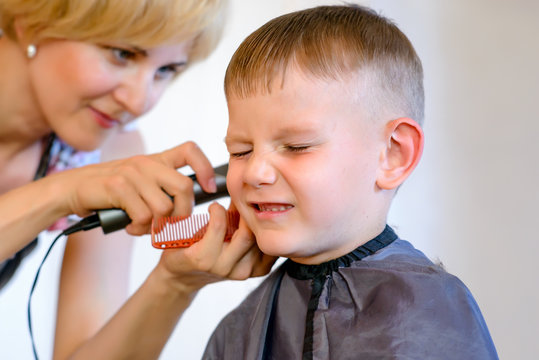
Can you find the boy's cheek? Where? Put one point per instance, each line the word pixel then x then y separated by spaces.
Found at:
pixel 235 197
pixel 232 184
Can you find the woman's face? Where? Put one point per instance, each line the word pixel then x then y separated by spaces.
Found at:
pixel 86 92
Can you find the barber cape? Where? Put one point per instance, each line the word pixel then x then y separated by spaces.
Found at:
pixel 384 300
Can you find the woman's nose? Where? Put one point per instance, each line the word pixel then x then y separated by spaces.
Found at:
pixel 136 93
pixel 259 171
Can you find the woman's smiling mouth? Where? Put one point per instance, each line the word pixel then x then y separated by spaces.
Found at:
pixel 103 119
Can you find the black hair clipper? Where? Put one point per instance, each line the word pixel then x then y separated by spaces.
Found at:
pixel 116 219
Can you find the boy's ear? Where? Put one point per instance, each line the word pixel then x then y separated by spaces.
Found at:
pixel 404 145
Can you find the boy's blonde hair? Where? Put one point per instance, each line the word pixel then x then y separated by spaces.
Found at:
pixel 142 23
pixel 334 42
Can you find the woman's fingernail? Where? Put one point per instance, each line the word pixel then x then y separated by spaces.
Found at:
pixel 212 186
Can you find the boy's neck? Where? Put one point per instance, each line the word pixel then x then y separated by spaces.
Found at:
pixel 366 235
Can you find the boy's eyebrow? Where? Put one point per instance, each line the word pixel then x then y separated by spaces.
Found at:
pixel 284 133
pixel 235 140
pixel 296 130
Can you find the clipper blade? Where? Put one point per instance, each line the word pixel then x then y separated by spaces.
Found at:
pixel 180 232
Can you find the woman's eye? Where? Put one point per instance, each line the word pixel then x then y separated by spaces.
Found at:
pixel 122 55
pixel 167 72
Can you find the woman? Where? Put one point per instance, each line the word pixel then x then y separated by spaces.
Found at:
pixel 73 74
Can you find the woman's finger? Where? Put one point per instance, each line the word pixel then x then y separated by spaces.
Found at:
pixel 206 252
pixel 190 154
pixel 235 251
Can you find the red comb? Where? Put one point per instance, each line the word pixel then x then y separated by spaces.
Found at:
pixel 177 232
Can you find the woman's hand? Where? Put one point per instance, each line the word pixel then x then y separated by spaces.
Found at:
pixel 139 185
pixel 211 259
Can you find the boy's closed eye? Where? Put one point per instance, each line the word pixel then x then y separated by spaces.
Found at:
pixel 297 148
pixel 287 148
pixel 239 154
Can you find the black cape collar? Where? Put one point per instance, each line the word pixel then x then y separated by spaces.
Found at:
pixel 306 272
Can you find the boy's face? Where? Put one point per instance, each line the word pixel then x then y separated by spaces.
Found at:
pixel 302 171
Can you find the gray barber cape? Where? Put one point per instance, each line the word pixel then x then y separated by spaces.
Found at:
pixel 384 300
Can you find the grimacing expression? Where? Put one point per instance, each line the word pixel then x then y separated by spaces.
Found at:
pixel 303 167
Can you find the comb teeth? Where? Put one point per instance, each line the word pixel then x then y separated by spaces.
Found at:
pixel 178 232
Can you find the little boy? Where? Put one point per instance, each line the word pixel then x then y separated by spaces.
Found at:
pixel 325 107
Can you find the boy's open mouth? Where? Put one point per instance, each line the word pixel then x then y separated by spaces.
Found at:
pixel 271 207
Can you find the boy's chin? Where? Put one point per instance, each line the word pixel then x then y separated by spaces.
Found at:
pixel 275 246
pixel 283 248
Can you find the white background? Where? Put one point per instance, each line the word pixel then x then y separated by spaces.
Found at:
pixel 470 204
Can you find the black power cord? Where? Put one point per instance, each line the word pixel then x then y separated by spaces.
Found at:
pixel 32 292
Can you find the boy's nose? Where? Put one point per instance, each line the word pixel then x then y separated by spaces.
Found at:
pixel 259 171
pixel 135 93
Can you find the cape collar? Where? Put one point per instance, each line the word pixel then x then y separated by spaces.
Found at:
pixel 306 272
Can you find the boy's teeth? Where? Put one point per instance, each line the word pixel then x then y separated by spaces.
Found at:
pixel 273 207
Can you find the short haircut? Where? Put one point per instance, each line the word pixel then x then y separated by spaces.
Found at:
pixel 143 23
pixel 333 42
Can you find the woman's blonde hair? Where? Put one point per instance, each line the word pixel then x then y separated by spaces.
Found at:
pixel 142 23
